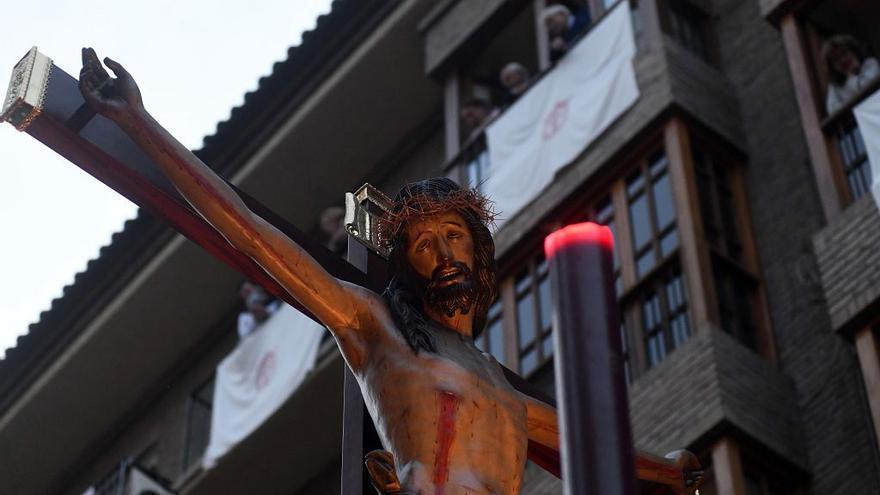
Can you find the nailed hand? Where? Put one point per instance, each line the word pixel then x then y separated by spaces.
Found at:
pixel 116 98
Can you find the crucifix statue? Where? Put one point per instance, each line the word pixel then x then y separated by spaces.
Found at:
pixel 443 409
pixel 449 418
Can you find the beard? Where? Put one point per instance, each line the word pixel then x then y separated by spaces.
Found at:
pixel 450 298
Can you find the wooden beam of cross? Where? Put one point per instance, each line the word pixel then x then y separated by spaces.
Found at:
pixel 45 102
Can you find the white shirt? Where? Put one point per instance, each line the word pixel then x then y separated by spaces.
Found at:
pixel 838 96
pixel 247 323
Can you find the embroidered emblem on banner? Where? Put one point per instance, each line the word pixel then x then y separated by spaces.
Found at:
pixel 555 120
pixel 265 371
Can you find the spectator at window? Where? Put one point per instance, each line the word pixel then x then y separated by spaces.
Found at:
pixel 332 225
pixel 563 27
pixel 849 69
pixel 258 307
pixel 475 114
pixel 515 79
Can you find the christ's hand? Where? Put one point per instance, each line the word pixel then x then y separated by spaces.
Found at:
pixel 116 99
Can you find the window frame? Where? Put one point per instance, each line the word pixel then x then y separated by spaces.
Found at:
pixel 196 399
pixel 748 266
pixel 536 271
pixel 803 42
pixel 691 259
pixel 668 8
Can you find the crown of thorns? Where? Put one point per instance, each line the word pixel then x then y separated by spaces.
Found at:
pixel 421 205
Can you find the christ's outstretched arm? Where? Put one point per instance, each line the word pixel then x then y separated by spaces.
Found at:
pixel 683 475
pixel 340 306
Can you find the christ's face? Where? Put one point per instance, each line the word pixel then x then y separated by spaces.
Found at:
pixel 440 249
pixel 437 242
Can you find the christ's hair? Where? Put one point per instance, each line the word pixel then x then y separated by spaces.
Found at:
pixel 405 291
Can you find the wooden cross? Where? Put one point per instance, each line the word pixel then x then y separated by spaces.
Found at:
pixel 45 102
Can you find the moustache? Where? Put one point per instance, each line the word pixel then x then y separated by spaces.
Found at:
pixel 448 271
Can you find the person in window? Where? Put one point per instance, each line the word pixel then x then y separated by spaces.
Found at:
pixel 563 27
pixel 475 113
pixel 258 307
pixel 332 225
pixel 849 70
pixel 515 79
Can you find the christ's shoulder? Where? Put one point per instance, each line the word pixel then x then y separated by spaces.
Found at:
pixel 374 313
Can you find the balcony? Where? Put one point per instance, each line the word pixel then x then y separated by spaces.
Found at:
pixel 849 266
pixel 253 386
pixel 671 78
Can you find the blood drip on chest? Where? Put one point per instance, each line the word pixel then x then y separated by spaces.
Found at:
pixel 445 437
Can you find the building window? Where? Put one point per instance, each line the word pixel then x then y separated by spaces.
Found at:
pixel 198 424
pixel 664 319
pixel 533 316
pixel 658 302
pixel 477 167
pixel 690 27
pixel 830 31
pixel 854 156
pixel 604 215
pixel 735 285
pixel 652 214
pixel 492 339
pixel 650 281
pixel 654 308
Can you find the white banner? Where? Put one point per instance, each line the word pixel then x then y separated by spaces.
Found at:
pixel 254 380
pixel 549 126
pixel 868 117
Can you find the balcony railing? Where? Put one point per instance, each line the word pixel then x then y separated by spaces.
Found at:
pixel 843 128
pixel 471 163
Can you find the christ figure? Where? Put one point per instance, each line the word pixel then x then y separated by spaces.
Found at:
pixel 443 409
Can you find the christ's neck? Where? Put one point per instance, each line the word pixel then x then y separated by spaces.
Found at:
pixel 461 323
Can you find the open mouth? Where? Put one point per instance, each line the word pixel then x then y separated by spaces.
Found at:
pixel 447 276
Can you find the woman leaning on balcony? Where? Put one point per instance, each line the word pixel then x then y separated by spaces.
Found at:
pixel 849 69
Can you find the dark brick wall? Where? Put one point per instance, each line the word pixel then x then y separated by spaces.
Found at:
pixel 786 213
pixel 848 255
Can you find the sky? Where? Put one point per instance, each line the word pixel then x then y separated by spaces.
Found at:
pixel 193 59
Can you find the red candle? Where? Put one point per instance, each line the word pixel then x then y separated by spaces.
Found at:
pixel 596 442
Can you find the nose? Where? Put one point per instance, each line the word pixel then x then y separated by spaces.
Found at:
pixel 444 251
